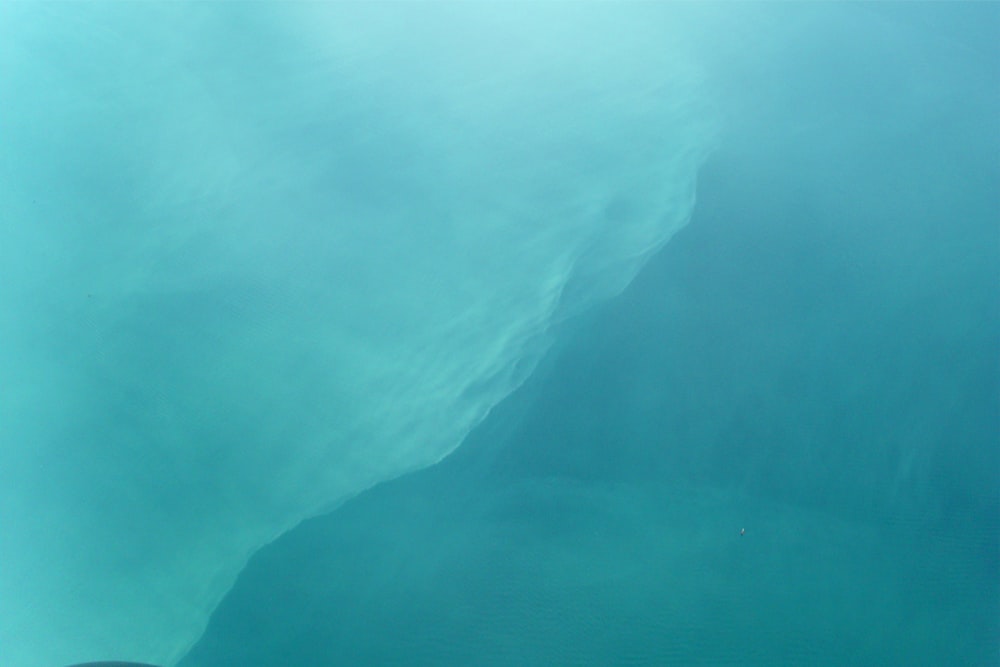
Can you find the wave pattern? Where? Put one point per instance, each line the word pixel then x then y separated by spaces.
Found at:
pixel 259 258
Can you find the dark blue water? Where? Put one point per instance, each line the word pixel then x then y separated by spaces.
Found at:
pixel 813 360
pixel 265 263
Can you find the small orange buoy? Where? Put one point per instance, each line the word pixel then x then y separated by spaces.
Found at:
pixel 742 530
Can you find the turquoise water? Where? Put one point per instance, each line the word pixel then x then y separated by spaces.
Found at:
pixel 813 360
pixel 500 334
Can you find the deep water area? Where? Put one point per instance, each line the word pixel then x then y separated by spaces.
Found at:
pixel 796 364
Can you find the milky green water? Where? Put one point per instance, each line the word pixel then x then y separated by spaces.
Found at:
pixel 377 334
